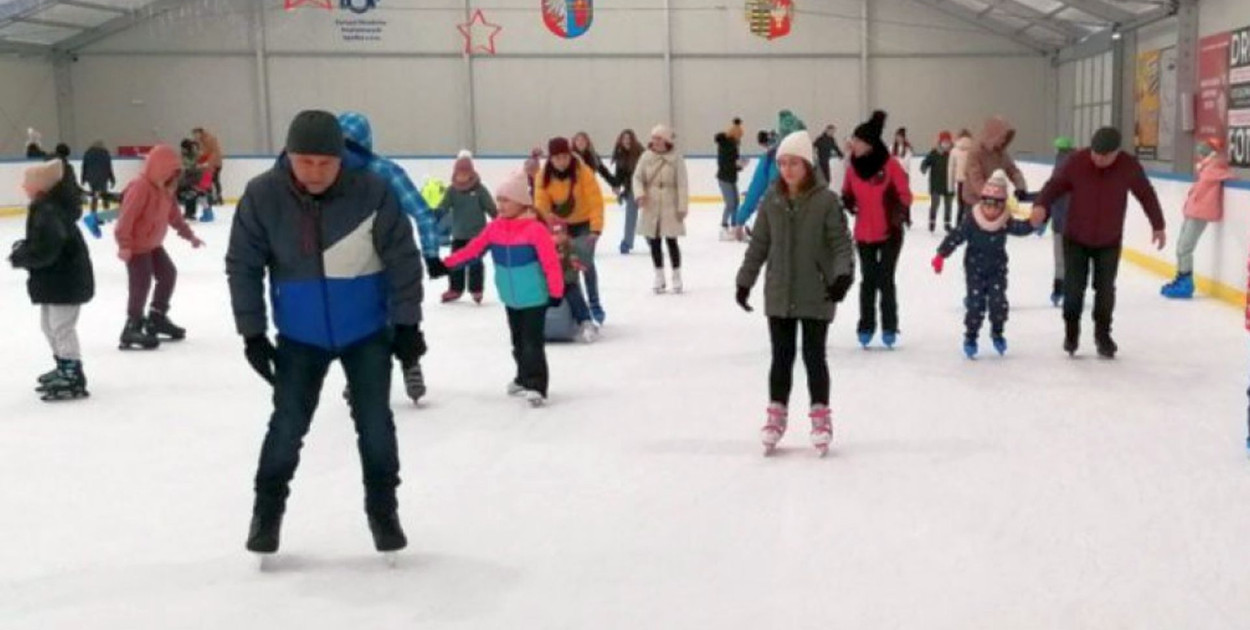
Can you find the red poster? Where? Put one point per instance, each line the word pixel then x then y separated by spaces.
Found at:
pixel 1211 102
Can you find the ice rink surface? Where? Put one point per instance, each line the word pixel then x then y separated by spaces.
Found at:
pixel 1031 491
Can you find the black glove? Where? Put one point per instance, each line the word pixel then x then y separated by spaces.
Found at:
pixel 743 293
pixel 837 290
pixel 408 345
pixel 555 302
pixel 261 355
pixel 436 267
pixel 848 202
pixel 1023 195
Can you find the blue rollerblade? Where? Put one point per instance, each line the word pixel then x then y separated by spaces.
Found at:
pixel 865 338
pixel 889 339
pixel 1182 288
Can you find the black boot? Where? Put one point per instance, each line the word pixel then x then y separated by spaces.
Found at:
pixel 263 534
pixel 136 334
pixel 1103 341
pixel 388 535
pixel 47 377
pixel 159 325
pixel 69 383
pixel 1071 337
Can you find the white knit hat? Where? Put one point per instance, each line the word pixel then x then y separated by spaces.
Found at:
pixel 663 132
pixel 43 177
pixel 797 144
pixel 515 188
pixel 996 186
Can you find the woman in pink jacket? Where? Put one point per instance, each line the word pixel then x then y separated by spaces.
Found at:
pixel 877 192
pixel 149 208
pixel 1205 205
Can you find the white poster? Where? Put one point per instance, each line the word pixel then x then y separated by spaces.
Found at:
pixel 1167 104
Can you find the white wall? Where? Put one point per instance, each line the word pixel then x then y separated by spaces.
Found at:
pixel 28 99
pixel 197 67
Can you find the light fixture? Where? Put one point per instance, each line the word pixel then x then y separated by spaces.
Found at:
pixel 1115 33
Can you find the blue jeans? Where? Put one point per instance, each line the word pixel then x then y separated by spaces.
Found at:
pixel 300 372
pixel 730 192
pixel 631 223
pixel 584 243
pixel 577 302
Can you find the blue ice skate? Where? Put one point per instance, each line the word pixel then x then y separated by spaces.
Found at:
pixel 207 215
pixel 865 338
pixel 1182 288
pixel 1000 345
pixel 597 314
pixel 889 339
pixel 92 223
pixel 970 349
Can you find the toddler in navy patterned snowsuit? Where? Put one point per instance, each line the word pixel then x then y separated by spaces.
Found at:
pixel 985 230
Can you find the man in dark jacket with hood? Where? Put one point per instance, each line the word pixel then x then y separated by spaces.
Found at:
pixel 345 278
pixel 97 174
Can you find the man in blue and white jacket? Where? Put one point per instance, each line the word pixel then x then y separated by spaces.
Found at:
pixel 345 284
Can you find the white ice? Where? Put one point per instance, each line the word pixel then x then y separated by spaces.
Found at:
pixel 1032 491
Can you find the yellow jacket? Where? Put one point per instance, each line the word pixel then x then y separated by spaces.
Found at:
pixel 587 198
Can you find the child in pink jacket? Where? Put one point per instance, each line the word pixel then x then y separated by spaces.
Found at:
pixel 527 275
pixel 1204 205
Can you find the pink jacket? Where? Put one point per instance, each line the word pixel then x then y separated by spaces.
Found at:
pixel 527 267
pixel 148 206
pixel 1206 197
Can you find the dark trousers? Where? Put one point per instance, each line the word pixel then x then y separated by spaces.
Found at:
pixel 98 194
pixel 783 332
pixel 878 263
pixel 528 348
pixel 987 291
pixel 657 253
pixel 935 200
pixel 964 208
pixel 189 207
pixel 142 269
pixel 577 302
pixel 301 370
pixel 474 270
pixel 216 196
pixel 1078 261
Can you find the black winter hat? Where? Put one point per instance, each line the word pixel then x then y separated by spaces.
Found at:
pixel 1106 140
pixel 871 131
pixel 315 132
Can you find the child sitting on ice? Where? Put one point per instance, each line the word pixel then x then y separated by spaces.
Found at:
pixel 572 267
pixel 527 276
pixel 985 263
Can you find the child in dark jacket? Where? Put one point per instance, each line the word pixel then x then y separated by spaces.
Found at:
pixel 985 263
pixel 61 277
pixel 937 165
pixel 527 276
pixel 466 209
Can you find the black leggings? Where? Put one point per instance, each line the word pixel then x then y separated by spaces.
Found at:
pixel 657 254
pixel 878 262
pixel 784 332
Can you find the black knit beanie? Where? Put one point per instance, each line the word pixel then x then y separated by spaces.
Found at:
pixel 871 131
pixel 315 132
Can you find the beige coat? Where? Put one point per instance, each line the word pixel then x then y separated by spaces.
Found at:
pixel 958 164
pixel 661 179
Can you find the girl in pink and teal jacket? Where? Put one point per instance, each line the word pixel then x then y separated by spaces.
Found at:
pixel 1204 205
pixel 527 275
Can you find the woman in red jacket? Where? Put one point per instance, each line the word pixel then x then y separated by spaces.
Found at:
pixel 149 209
pixel 876 190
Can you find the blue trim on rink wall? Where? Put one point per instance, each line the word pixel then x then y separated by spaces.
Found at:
pixel 1175 177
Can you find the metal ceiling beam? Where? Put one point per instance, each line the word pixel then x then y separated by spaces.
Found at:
pixel 119 24
pixel 1101 9
pixel 1042 19
pixel 51 23
pixel 23 8
pixel 998 28
pixel 24 48
pixel 94 6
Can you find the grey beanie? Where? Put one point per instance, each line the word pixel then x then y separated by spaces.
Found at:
pixel 315 132
pixel 1106 140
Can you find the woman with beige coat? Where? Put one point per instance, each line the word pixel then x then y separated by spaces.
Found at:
pixel 661 190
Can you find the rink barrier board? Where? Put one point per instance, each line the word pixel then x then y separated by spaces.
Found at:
pixel 1220 269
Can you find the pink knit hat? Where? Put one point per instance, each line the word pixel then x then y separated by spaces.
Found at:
pixel 515 188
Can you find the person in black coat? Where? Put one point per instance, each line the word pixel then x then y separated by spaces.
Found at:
pixel 97 174
pixel 728 165
pixel 61 276
pixel 826 149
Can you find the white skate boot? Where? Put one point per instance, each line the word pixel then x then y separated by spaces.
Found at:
pixel 771 434
pixel 660 285
pixel 677 285
pixel 822 428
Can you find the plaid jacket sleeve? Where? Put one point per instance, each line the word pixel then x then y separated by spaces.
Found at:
pixel 413 205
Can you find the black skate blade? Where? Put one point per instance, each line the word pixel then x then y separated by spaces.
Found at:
pixel 129 347
pixel 64 396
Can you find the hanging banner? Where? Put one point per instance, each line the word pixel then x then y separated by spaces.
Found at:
pixel 1211 107
pixel 1239 98
pixel 1167 104
pixel 1146 98
pixel 770 19
pixel 569 19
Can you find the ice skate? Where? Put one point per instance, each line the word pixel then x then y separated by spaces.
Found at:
pixel 263 534
pixel 207 215
pixel 970 348
pixel 822 428
pixel 451 296
pixel 159 325
pixel 660 285
pixel 515 389
pixel 477 297
pixel 136 334
pixel 92 223
pixel 588 333
pixel 535 399
pixel 1182 288
pixel 388 535
pixel 48 376
pixel 597 314
pixel 1071 337
pixel 1000 345
pixel 1105 345
pixel 69 383
pixel 678 287
pixel 414 382
pixel 775 427
pixel 889 338
pixel 865 338
pixel 1056 294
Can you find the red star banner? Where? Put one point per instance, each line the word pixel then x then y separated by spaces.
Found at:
pixel 479 35
pixel 320 4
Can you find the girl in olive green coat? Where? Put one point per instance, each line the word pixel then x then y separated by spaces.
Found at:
pixel 801 234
